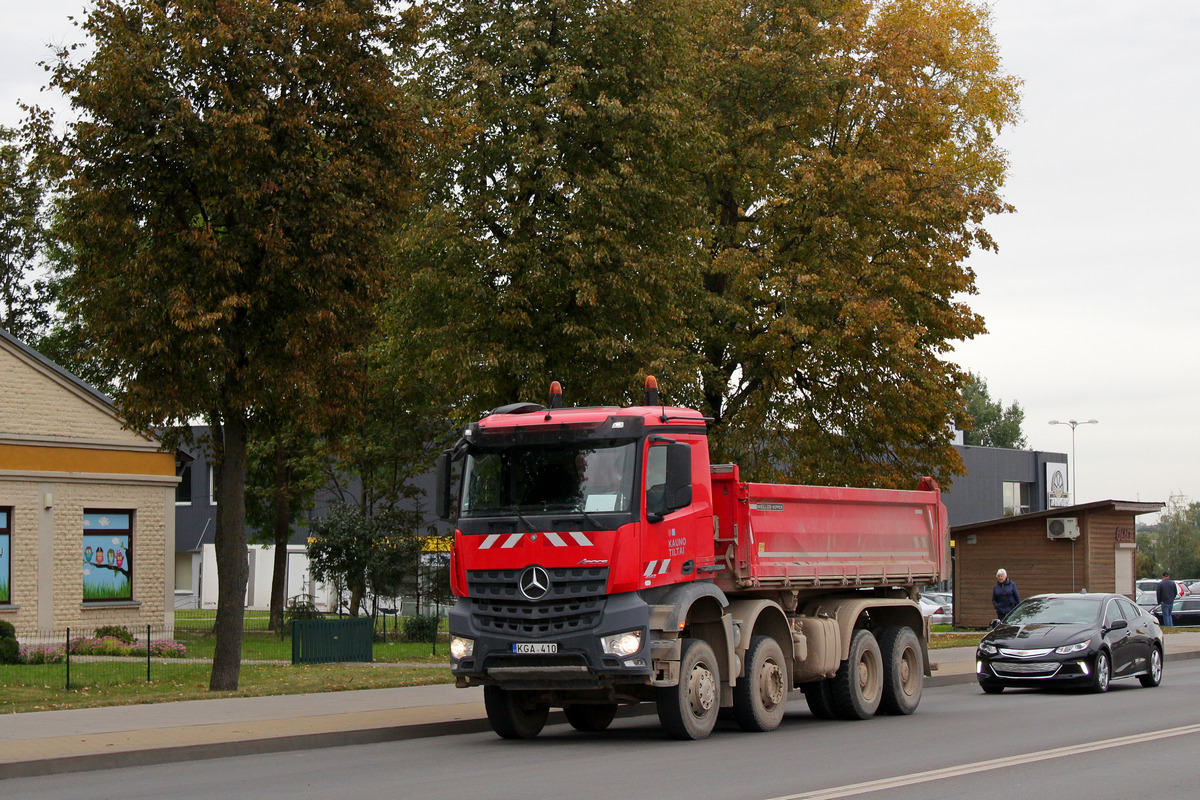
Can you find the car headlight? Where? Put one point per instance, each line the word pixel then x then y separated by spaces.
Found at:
pixel 622 644
pixel 1073 648
pixel 987 649
pixel 461 648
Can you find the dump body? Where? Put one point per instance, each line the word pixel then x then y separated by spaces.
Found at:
pixel 804 537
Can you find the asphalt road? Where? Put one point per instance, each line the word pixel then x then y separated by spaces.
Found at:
pixel 1131 742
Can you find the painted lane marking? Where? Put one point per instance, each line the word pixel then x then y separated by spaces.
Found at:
pixel 900 781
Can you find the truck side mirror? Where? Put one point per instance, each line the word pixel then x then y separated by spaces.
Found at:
pixel 441 494
pixel 679 477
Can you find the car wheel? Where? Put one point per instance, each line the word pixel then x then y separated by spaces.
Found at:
pixel 858 685
pixel 1101 672
pixel 820 699
pixel 760 697
pixel 591 718
pixel 991 688
pixel 514 715
pixel 689 709
pixel 1153 676
pixel 903 670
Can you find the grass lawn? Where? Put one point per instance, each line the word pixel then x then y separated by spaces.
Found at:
pixel 39 688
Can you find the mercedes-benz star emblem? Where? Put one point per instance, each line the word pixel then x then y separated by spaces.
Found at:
pixel 534 583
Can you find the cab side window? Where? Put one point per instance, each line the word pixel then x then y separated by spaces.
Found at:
pixel 656 480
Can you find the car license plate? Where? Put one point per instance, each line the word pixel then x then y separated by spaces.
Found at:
pixel 535 647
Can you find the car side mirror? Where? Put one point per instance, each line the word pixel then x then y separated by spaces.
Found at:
pixel 994 623
pixel 1118 624
pixel 679 477
pixel 441 496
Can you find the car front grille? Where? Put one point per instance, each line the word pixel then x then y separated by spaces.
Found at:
pixel 1034 669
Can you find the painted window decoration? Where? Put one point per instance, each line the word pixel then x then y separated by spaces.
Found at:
pixel 107 556
pixel 5 558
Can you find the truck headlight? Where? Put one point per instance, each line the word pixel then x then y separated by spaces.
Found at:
pixel 622 644
pixel 461 648
pixel 1073 648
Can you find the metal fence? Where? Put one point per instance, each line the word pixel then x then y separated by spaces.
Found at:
pixel 106 654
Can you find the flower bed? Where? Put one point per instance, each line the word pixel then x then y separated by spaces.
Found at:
pixel 102 646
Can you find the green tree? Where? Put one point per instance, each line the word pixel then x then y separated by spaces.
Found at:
pixel 850 159
pixel 769 205
pixel 228 186
pixel 989 423
pixel 376 555
pixel 24 307
pixel 1173 543
pixel 286 468
pixel 553 230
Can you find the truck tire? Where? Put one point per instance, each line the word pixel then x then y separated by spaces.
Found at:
pixel 689 710
pixel 760 697
pixel 591 718
pixel 903 670
pixel 858 685
pixel 513 715
pixel 820 699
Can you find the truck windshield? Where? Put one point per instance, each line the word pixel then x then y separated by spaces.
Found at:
pixel 592 477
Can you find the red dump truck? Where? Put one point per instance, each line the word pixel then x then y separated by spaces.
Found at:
pixel 601 560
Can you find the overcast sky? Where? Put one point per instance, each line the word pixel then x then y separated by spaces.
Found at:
pixel 1092 304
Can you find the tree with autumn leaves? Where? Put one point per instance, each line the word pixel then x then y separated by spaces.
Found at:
pixel 229 185
pixel 768 205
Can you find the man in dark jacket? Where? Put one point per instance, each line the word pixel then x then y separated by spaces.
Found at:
pixel 1166 594
pixel 1004 595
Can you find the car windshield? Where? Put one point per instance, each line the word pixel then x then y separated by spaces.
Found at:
pixel 591 477
pixel 1055 611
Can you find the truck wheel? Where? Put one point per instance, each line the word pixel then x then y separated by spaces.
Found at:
pixel 689 710
pixel 760 697
pixel 513 715
pixel 591 718
pixel 820 699
pixel 903 670
pixel 858 684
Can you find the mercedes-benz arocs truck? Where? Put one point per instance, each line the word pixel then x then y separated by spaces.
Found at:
pixel 601 560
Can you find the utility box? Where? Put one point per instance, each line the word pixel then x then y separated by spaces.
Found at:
pixel 326 641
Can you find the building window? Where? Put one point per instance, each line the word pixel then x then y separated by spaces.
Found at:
pixel 5 556
pixel 183 489
pixel 107 555
pixel 212 485
pixel 1016 498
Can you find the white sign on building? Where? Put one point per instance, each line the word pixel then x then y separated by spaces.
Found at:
pixel 1057 495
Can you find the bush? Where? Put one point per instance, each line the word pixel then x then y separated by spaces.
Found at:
pixel 301 607
pixel 420 629
pixel 118 632
pixel 10 649
pixel 43 654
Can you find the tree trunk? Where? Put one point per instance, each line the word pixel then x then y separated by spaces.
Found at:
pixel 232 567
pixel 283 533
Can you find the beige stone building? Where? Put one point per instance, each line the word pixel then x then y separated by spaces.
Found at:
pixel 87 507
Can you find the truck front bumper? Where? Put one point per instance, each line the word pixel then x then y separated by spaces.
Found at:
pixel 515 650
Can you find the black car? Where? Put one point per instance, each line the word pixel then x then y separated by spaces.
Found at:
pixel 1071 639
pixel 1183 612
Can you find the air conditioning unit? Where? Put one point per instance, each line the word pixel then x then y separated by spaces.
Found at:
pixel 1062 528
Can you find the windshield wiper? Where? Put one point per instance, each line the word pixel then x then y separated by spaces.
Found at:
pixel 516 511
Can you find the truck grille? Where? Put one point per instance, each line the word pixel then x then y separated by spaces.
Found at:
pixel 573 603
pixel 565 584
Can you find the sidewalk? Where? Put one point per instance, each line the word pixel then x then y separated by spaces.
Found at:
pixel 50 742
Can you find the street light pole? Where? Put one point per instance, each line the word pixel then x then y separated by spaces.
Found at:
pixel 1074 424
